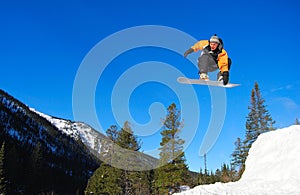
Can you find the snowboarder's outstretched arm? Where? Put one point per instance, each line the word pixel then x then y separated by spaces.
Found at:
pixel 188 52
pixel 198 46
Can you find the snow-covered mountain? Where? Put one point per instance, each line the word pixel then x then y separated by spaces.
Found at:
pixel 272 167
pixel 100 145
pixel 78 130
pixel 96 142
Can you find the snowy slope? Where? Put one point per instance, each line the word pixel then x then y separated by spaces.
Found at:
pixel 77 130
pixel 99 144
pixel 272 167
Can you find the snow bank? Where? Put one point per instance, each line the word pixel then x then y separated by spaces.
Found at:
pixel 272 167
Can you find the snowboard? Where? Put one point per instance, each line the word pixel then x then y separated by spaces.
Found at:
pixel 185 80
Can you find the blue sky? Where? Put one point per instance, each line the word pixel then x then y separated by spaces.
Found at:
pixel 43 44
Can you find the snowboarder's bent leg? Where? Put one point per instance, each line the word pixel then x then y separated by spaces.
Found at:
pixel 206 63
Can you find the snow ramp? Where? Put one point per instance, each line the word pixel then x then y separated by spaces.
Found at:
pixel 272 167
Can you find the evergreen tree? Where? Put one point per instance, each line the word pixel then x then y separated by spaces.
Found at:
pixel 212 178
pixel 141 182
pixel 201 179
pixel 218 175
pixel 110 180
pixel 126 139
pixel 3 179
pixel 105 180
pixel 131 180
pixel 112 133
pixel 109 145
pixel 173 171
pixel 14 163
pixel 297 122
pixel 258 120
pixel 205 165
pixel 225 174
pixel 171 144
pixel 37 165
pixel 238 158
pixel 204 178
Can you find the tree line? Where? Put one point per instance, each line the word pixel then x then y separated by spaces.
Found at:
pixel 173 171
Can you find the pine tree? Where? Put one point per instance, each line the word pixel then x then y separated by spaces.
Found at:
pixel 205 178
pixel 238 158
pixel 108 146
pixel 212 178
pixel 14 163
pixel 173 171
pixel 38 163
pixel 258 120
pixel 105 180
pixel 171 144
pixel 141 182
pixel 3 179
pixel 297 122
pixel 112 133
pixel 225 174
pixel 127 140
pixel 110 180
pixel 218 175
pixel 201 178
pixel 205 165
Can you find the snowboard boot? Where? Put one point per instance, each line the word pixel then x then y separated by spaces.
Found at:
pixel 204 76
pixel 220 77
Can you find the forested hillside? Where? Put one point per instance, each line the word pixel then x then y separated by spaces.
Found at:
pixel 36 157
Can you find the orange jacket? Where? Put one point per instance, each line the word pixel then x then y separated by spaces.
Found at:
pixel 222 57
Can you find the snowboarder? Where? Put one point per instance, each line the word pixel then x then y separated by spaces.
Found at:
pixel 212 57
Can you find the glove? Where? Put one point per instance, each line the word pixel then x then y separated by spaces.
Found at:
pixel 225 77
pixel 188 52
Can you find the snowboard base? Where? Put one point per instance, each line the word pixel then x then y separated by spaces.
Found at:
pixel 185 80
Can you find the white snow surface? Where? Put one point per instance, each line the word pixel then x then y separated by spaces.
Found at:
pixel 272 167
